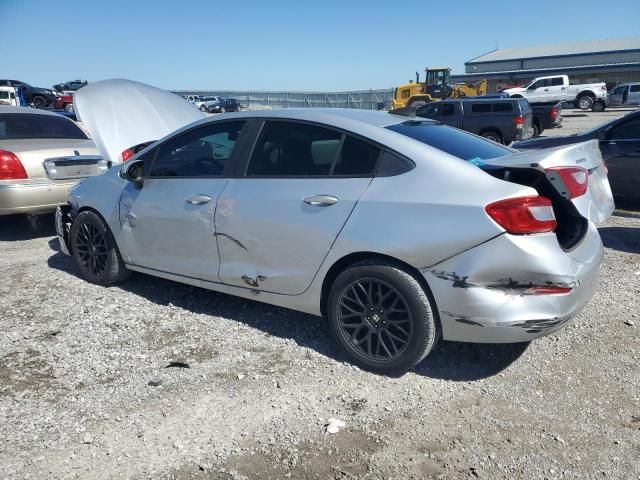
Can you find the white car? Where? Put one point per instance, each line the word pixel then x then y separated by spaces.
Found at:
pixel 8 96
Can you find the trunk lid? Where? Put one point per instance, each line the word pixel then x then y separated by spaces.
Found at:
pixel 120 114
pixel 597 202
pixel 32 153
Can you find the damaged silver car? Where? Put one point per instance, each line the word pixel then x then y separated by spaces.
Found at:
pixel 400 232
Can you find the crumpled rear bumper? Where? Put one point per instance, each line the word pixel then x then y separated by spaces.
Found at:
pixel 482 294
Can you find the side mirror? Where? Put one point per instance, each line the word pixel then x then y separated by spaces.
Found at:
pixel 133 172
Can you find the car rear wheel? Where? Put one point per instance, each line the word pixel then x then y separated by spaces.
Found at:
pixel 39 101
pixel 536 130
pixel 493 136
pixel 584 102
pixel 382 317
pixel 598 107
pixel 94 250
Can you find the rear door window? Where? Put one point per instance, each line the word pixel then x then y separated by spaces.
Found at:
pixel 481 108
pixel 289 149
pixel 557 82
pixel 635 88
pixel 356 158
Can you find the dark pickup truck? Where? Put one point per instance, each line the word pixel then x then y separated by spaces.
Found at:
pixel 501 120
pixel 545 116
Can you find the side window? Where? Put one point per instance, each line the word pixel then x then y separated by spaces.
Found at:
pixel 287 149
pixel 535 85
pixel 202 152
pixel 405 94
pixel 503 107
pixel 626 131
pixel 392 164
pixel 446 109
pixel 634 88
pixel 481 108
pixel 557 82
pixel 356 158
pixel 427 111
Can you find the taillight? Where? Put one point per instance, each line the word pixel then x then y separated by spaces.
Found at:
pixel 11 167
pixel 553 113
pixel 518 120
pixel 127 154
pixel 576 179
pixel 523 215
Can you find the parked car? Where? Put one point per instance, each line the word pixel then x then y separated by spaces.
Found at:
pixel 42 154
pixel 63 102
pixel 71 86
pixel 556 88
pixel 224 105
pixel 38 97
pixel 544 115
pixel 619 142
pixel 500 120
pixel 8 96
pixel 204 102
pixel 192 98
pixel 399 231
pixel 625 94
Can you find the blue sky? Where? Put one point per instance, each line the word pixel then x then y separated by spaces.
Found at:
pixel 282 45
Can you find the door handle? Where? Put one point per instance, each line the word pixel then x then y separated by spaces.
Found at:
pixel 199 199
pixel 321 200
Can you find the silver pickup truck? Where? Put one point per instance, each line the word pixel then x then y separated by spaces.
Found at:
pixel 556 88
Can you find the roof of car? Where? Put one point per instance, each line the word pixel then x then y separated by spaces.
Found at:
pixel 327 115
pixel 12 109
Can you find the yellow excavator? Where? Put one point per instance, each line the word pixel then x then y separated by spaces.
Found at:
pixel 437 86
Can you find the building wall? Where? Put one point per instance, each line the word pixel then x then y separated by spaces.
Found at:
pixel 554 62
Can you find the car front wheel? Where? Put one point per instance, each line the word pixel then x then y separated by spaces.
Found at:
pixel 382 317
pixel 94 250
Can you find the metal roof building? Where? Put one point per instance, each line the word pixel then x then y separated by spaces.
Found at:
pixel 613 61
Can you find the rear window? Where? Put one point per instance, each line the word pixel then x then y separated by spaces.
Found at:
pixel 28 125
pixel 451 140
pixel 503 107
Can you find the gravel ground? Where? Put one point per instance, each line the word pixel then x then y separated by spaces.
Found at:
pixel 153 379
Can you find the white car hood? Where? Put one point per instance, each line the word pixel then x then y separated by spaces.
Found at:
pixel 120 114
pixel 514 90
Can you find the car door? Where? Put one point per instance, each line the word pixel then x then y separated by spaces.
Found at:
pixel 278 219
pixel 621 151
pixel 538 91
pixel 634 95
pixel 615 97
pixel 557 91
pixel 168 224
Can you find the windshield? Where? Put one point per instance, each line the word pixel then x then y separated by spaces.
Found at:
pixel 34 125
pixel 455 142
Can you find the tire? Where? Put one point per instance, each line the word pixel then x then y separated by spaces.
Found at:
pixel 598 106
pixel 39 101
pixel 68 107
pixel 203 108
pixel 584 102
pixel 94 250
pixel 222 110
pixel 536 130
pixel 373 336
pixel 492 135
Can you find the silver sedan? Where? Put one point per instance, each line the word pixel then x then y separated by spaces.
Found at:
pixel 400 232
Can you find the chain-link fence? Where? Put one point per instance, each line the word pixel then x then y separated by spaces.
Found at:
pixel 364 99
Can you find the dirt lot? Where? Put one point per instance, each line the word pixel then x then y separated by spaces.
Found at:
pixel 94 384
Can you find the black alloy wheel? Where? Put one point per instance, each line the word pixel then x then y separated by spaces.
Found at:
pixel 94 250
pixel 375 318
pixel 91 245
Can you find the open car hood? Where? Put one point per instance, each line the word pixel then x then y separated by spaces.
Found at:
pixel 120 114
pixel 597 203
